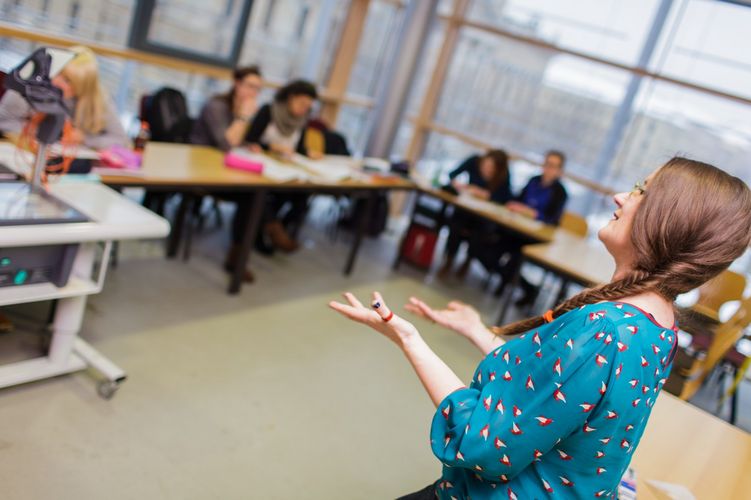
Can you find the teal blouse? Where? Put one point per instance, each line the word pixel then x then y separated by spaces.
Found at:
pixel 556 412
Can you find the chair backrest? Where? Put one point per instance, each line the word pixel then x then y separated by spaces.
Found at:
pixel 574 223
pixel 727 286
pixel 315 140
pixel 724 338
pixel 167 114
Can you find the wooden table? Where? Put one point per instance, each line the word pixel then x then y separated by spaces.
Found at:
pixel 529 229
pixel 192 169
pixel 573 258
pixel 495 212
pixel 685 445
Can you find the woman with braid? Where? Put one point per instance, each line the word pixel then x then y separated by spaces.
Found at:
pixel 559 403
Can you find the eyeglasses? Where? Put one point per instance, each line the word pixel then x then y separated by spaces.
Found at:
pixel 638 189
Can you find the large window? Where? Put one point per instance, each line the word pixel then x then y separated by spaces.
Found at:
pixel 611 29
pixel 520 97
pixel 294 38
pixel 530 75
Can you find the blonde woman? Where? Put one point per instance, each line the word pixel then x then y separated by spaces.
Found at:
pixel 94 119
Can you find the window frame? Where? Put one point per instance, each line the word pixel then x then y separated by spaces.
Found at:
pixel 141 23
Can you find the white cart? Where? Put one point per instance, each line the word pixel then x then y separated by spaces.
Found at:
pixel 113 218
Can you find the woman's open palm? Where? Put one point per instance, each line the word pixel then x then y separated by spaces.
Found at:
pixel 458 316
pixel 395 328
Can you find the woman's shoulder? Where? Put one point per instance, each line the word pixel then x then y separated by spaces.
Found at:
pixel 218 102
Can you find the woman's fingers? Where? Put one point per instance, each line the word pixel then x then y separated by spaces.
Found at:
pixel 352 299
pixel 413 309
pixel 354 313
pixel 425 310
pixel 456 304
pixel 379 306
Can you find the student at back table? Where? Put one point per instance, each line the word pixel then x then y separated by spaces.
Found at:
pixel 488 179
pixel 543 199
pixel 223 123
pixel 95 121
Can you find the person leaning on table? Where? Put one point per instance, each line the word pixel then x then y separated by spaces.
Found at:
pixel 223 123
pixel 95 121
pixel 559 403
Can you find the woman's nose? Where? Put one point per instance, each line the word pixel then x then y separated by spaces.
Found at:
pixel 620 198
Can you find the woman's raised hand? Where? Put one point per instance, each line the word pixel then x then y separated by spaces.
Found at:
pixel 458 316
pixel 378 316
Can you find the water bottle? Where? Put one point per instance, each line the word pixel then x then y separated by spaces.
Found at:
pixel 139 144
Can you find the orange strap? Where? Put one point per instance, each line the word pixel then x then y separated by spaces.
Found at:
pixel 548 316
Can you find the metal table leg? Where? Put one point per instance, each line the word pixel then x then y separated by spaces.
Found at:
pixel 251 232
pixel 364 218
pixel 510 292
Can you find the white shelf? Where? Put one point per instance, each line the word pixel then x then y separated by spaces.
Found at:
pixel 46 291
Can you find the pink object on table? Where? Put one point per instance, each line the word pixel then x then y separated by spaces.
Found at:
pixel 120 157
pixel 241 162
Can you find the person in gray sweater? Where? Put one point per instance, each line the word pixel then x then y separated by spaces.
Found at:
pixel 223 124
pixel 225 118
pixel 95 122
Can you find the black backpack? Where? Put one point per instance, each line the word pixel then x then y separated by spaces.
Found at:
pixel 167 115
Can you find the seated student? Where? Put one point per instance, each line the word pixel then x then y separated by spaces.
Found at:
pixel 489 179
pixel 95 122
pixel 543 198
pixel 279 127
pixel 225 119
pixel 223 123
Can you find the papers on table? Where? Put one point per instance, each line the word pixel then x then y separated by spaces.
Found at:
pixel 329 168
pixel 471 202
pixel 301 168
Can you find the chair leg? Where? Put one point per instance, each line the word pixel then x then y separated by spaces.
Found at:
pixel 733 406
pixel 218 220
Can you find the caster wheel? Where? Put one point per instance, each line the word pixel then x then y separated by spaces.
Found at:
pixel 107 388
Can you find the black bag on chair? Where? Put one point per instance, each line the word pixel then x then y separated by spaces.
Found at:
pixel 167 115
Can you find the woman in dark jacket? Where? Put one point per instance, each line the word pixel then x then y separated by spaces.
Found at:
pixel 488 179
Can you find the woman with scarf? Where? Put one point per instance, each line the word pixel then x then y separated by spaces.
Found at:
pixel 279 127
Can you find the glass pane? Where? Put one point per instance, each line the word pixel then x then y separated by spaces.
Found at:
pixel 528 100
pixel 180 24
pixel 376 47
pixel 294 38
pixel 670 120
pixel 104 21
pixel 612 29
pixel 703 45
pixel 354 123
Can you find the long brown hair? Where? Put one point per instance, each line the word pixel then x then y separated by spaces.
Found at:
pixel 500 174
pixel 692 223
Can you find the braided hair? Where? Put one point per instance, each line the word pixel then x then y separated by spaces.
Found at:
pixel 692 223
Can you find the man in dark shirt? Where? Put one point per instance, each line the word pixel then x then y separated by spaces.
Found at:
pixel 543 199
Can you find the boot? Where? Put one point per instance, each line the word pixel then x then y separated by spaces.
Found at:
pixel 279 237
pixel 464 268
pixel 229 264
pixel 445 271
